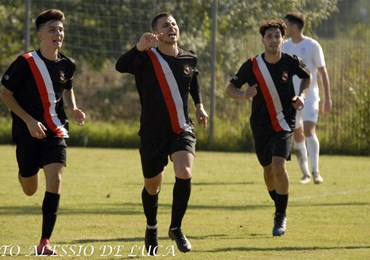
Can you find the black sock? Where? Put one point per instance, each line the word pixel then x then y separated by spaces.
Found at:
pixel 181 195
pixel 281 203
pixel 272 194
pixel 50 207
pixel 150 204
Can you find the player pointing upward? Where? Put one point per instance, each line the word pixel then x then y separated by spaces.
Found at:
pixel 165 75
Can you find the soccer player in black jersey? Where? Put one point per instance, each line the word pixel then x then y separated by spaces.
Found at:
pixel 165 75
pixel 269 83
pixel 34 86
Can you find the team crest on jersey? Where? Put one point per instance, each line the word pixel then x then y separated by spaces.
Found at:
pixel 62 77
pixel 187 70
pixel 284 76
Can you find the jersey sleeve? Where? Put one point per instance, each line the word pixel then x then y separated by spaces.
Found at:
pixel 302 70
pixel 318 55
pixel 70 70
pixel 243 75
pixel 129 62
pixel 195 88
pixel 15 74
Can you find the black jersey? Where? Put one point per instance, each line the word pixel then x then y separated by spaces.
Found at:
pixel 163 83
pixel 37 85
pixel 272 109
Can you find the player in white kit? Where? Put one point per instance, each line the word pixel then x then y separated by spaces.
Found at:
pixel 305 135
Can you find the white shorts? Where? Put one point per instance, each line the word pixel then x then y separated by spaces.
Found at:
pixel 310 111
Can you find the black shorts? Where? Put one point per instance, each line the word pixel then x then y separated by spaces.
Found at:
pixel 154 154
pixel 32 154
pixel 277 144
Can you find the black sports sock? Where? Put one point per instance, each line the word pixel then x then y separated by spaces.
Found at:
pixel 181 195
pixel 272 194
pixel 281 203
pixel 150 204
pixel 50 207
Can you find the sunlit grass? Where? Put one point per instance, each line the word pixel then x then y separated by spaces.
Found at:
pixel 230 214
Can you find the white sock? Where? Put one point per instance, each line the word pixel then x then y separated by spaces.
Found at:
pixel 301 153
pixel 313 148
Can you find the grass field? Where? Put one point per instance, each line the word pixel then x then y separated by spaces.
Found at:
pixel 230 214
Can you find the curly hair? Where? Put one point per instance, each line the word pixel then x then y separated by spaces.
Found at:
pixel 273 23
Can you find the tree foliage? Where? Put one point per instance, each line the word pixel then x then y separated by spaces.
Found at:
pixel 11 28
pixel 99 30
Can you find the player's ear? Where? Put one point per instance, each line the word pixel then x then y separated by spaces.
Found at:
pixel 39 35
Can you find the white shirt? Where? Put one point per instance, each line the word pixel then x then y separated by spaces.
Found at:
pixel 311 52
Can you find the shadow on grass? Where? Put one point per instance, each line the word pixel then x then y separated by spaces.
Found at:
pixel 116 209
pixel 227 236
pixel 194 183
pixel 119 209
pixel 20 210
pixel 265 249
pixel 99 240
pixel 339 204
pixel 140 239
pixel 131 208
pixel 221 183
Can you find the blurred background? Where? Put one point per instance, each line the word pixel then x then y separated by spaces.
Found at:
pixel 224 34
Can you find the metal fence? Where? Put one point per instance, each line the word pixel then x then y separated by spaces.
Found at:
pixel 344 38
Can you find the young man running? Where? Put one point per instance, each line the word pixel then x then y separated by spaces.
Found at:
pixel 269 83
pixel 34 85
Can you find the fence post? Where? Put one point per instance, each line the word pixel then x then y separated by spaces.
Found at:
pixel 213 73
pixel 27 15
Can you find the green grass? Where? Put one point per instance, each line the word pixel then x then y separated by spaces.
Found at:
pixel 229 216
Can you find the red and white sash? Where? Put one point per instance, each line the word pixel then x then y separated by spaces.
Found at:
pixel 170 91
pixel 270 94
pixel 47 94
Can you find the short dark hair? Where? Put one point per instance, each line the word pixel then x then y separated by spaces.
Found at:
pixel 48 15
pixel 296 18
pixel 158 16
pixel 274 23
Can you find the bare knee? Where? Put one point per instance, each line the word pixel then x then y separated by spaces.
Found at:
pixel 279 171
pixel 54 184
pixel 299 135
pixel 29 184
pixel 278 166
pixel 153 185
pixel 29 192
pixel 53 176
pixel 309 128
pixel 153 190
pixel 184 173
